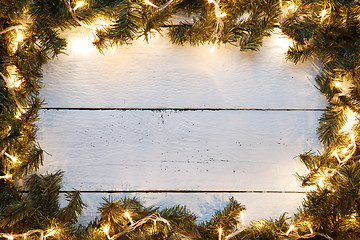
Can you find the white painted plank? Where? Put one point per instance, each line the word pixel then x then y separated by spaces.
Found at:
pixel 160 74
pixel 201 150
pixel 204 205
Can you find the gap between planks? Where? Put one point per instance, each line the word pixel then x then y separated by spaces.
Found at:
pixel 181 109
pixel 182 191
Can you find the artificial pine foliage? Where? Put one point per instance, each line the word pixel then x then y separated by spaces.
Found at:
pixel 327 30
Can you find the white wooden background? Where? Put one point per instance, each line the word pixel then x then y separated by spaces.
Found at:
pixel 179 125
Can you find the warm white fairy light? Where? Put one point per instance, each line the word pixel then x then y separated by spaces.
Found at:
pixel 106 229
pixel 220 230
pixel 113 50
pixel 308 224
pixel 290 229
pixel 13 158
pixel 323 13
pixel 10 237
pixel 18 115
pixel 222 14
pixel 16 84
pixel 51 232
pixel 6 177
pixel 19 36
pixel 147 2
pixel 292 6
pixel 219 23
pixel 78 5
pixel 242 218
pixel 335 154
pixel 212 49
pixel 338 84
pixel 127 214
pixel 351 120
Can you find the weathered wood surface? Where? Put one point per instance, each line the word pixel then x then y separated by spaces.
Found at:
pixel 202 150
pixel 166 150
pixel 162 75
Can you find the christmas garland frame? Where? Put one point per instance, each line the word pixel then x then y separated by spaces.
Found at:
pixel 29 37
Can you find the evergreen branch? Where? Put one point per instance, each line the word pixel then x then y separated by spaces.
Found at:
pixel 12 92
pixel 125 28
pixel 12 28
pixel 330 124
pixel 308 236
pixel 69 214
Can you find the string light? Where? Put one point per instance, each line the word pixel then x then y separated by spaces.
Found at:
pixel 18 115
pixel 6 177
pixel 219 23
pixel 212 50
pixel 222 14
pixel 291 227
pixel 14 159
pixel 323 13
pixel 127 214
pixel 10 237
pixel 78 5
pixel 52 232
pixel 113 50
pixel 338 85
pixel 147 2
pixel 19 36
pixel 30 232
pixel 220 230
pixel 242 218
pixel 308 224
pixel 15 84
pixel 292 6
pixel 106 229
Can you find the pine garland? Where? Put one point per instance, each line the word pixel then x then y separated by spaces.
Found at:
pixel 29 37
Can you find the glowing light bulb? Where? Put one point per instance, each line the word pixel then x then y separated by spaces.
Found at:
pixel 292 6
pixel 16 84
pixel 147 2
pixel 19 36
pixel 345 150
pixel 210 1
pixel 18 115
pixel 337 156
pixel 290 229
pixel 127 214
pixel 113 50
pixel 82 45
pixel 10 237
pixel 338 85
pixel 51 231
pixel 220 230
pixel 352 138
pixel 106 229
pixel 323 13
pixel 309 226
pixel 242 217
pixel 14 159
pixel 222 14
pixel 6 177
pixel 212 50
pixel 79 4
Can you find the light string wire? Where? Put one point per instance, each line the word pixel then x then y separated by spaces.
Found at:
pixel 43 236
